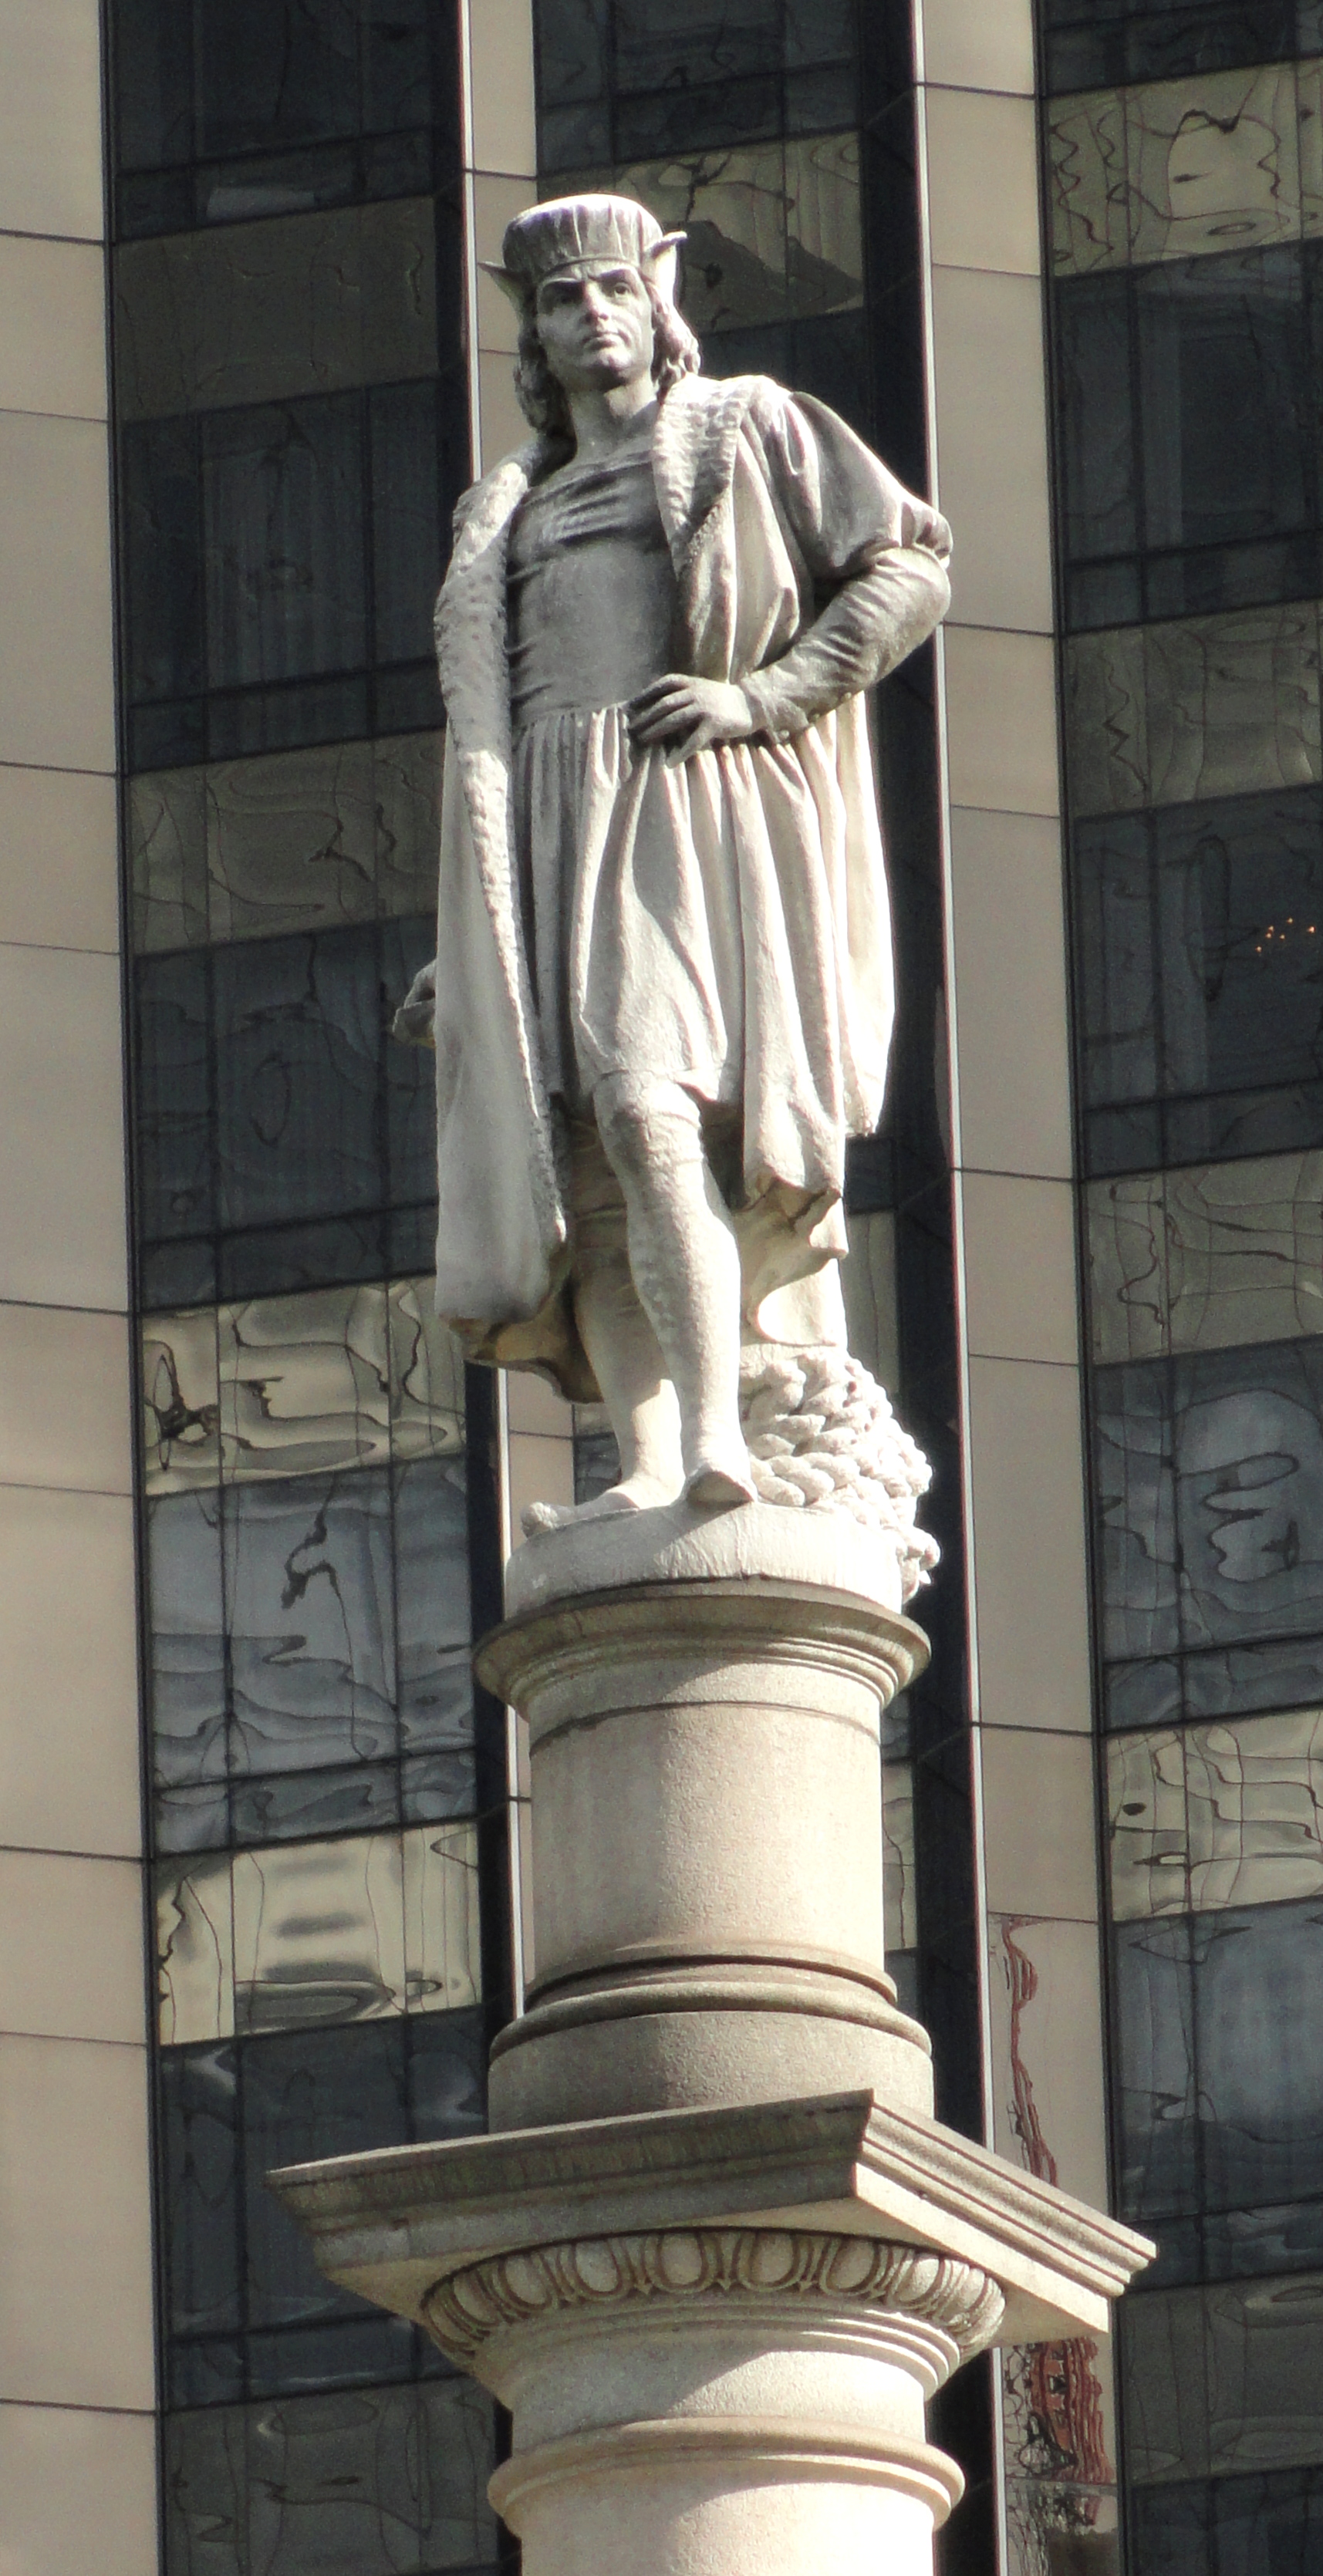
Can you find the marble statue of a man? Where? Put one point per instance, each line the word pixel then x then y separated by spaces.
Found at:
pixel 662 999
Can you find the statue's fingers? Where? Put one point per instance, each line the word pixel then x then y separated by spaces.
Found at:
pixel 674 693
pixel 668 681
pixel 672 717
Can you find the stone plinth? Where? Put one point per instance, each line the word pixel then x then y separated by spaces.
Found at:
pixel 707 1822
pixel 717 2254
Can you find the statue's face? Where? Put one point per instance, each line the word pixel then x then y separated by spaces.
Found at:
pixel 596 330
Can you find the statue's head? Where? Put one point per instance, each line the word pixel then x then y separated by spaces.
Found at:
pixel 593 282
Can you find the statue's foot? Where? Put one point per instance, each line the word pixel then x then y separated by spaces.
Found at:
pixel 632 1494
pixel 719 1478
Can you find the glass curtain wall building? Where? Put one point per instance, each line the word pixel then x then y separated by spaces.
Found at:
pixel 1062 271
pixel 1183 161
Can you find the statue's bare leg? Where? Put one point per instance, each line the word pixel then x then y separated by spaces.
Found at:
pixel 626 1360
pixel 685 1265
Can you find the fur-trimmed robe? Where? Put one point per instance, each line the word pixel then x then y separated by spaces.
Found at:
pixel 771 507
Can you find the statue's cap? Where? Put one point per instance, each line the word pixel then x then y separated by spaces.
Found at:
pixel 570 233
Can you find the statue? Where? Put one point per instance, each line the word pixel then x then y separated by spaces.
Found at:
pixel 662 1000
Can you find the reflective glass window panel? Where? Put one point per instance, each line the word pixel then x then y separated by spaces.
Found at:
pixel 189 1680
pixel 307 2095
pixel 1183 167
pixel 1220 2061
pixel 1227 398
pixel 1214 1682
pixel 286 541
pixel 1238 2526
pixel 572 51
pixel 1096 418
pixel 168 857
pixel 298 840
pixel 1212 1816
pixel 305 1383
pixel 301 1804
pixel 772 232
pixel 300 1934
pixel 1086 48
pixel 1206 1258
pixel 300 1037
pixel 1240 922
pixel 1169 714
pixel 1224 2379
pixel 434 1628
pixel 410 1071
pixel 379 2482
pixel 200 2186
pixel 161 559
pixel 277 70
pixel 308 1566
pixel 899 1888
pixel 181 1401
pixel 175 1097
pixel 426 1375
pixel 1210 1496
pixel 264 312
pixel 407 544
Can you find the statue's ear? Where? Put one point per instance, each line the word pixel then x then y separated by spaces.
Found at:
pixel 514 287
pixel 659 263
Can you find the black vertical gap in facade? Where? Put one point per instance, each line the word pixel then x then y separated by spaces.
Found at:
pixel 918 1123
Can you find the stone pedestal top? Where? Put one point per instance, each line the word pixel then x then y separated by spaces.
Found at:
pixel 678 1544
pixel 392 2224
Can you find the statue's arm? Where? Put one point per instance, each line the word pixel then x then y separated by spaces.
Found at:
pixel 879 551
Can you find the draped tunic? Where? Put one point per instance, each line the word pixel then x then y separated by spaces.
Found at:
pixel 719 920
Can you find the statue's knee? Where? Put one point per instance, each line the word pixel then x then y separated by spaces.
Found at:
pixel 642 1124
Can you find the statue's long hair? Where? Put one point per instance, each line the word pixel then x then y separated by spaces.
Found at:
pixel 675 353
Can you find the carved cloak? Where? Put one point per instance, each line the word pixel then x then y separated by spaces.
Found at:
pixel 752 514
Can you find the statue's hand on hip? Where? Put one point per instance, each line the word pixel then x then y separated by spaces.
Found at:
pixel 689 715
pixel 415 1020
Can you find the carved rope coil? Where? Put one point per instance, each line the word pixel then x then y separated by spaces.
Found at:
pixel 605 2272
pixel 822 1436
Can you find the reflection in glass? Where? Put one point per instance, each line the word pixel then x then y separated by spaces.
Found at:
pixel 899 1889
pixel 299 1042
pixel 1226 2379
pixel 188 1662
pixel 1220 1815
pixel 1087 49
pixel 1214 706
pixel 282 495
pixel 258 313
pixel 1240 2525
pixel 1184 167
pixel 1209 1477
pixel 247 2308
pixel 304 1383
pixel 368 2483
pixel 306 1933
pixel 1202 1259
pixel 1200 929
pixel 1219 2060
pixel 181 1400
pixel 296 840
